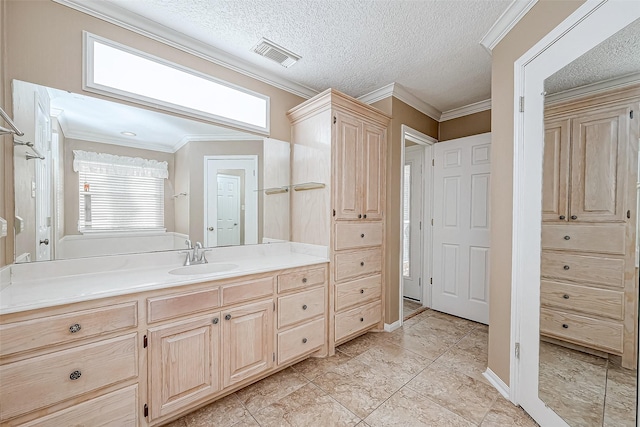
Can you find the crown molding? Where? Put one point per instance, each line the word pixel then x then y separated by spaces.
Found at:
pixel 115 15
pixel 505 23
pixel 593 89
pixel 476 107
pixel 398 91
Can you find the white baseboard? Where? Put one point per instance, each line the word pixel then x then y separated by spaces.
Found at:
pixel 393 326
pixel 496 382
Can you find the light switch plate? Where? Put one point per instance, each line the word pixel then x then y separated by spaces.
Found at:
pixel 3 227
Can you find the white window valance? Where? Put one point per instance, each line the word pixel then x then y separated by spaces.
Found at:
pixel 110 164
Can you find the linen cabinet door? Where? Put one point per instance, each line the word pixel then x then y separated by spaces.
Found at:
pixel 347 164
pixel 248 341
pixel 555 171
pixel 184 363
pixel 373 171
pixel 599 169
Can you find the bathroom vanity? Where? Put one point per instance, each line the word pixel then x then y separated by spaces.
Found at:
pixel 139 341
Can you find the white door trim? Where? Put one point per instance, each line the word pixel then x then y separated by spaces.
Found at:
pixel 418 137
pixel 589 25
pixel 250 195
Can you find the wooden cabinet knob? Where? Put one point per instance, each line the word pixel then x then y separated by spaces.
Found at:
pixel 566 267
pixel 362 319
pixel 304 340
pixel 304 280
pixel 565 296
pixel 564 325
pixel 304 307
pixel 75 375
pixel 362 264
pixel 567 237
pixel 362 291
pixel 362 235
pixel 75 328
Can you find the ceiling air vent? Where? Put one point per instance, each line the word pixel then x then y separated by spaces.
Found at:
pixel 276 53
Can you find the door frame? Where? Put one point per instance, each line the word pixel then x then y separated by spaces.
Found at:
pixel 420 150
pixel 408 133
pixel 247 192
pixel 589 25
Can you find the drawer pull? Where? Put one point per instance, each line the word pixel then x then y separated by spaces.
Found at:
pixel 304 307
pixel 565 296
pixel 75 375
pixel 362 235
pixel 562 217
pixel 362 319
pixel 215 321
pixel 566 267
pixel 304 280
pixel 574 217
pixel 359 215
pixel 304 340
pixel 362 291
pixel 564 325
pixel 362 264
pixel 567 237
pixel 74 328
pixel 227 317
pixel 364 216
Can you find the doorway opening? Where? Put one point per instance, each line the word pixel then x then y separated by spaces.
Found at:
pixel 231 200
pixel 416 186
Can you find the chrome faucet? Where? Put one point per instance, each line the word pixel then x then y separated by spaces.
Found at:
pixel 195 254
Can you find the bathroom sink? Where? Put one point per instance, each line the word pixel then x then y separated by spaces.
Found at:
pixel 203 269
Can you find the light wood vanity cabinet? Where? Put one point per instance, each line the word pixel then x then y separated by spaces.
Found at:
pixel 341 142
pixel 589 287
pixel 188 346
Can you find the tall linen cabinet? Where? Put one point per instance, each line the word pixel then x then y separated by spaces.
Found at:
pixel 338 174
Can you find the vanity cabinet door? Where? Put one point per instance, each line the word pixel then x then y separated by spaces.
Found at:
pixel 373 171
pixel 184 363
pixel 248 341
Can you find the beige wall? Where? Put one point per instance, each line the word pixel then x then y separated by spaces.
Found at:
pixel 71 184
pixel 473 124
pixel 402 114
pixel 541 19
pixel 42 43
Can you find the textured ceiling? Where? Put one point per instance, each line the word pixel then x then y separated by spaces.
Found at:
pixel 617 56
pixel 431 47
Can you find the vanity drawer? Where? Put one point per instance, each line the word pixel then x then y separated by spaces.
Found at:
pixel 175 305
pixel 354 264
pixel 116 409
pixel 357 235
pixel 244 291
pixel 300 340
pixel 46 331
pixel 581 268
pixel 598 238
pixel 358 292
pixel 41 381
pixel 587 300
pixel 600 334
pixel 301 306
pixel 301 279
pixel 357 319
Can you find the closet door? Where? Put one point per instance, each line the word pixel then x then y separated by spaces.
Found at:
pixel 555 171
pixel 348 148
pixel 600 141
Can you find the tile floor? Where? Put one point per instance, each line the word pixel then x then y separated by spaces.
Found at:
pixel 409 307
pixel 428 373
pixel 586 390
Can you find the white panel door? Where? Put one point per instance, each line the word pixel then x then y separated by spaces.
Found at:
pixel 228 210
pixel 461 227
pixel 412 217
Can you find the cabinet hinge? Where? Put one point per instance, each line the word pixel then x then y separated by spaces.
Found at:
pixel 146 410
pixel 334 120
pixel 431 221
pixel 145 342
pixel 629 214
pixel 522 104
pixel 517 350
pixel 274 306
pixel 334 212
pixel 433 162
pixel 419 282
pixel 631 114
pixel 274 357
pixel 420 225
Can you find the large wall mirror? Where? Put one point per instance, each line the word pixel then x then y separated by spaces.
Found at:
pixel 94 177
pixel 589 302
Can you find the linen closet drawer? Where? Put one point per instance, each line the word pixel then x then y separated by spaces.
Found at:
pixel 601 334
pixel 584 299
pixel 596 238
pixel 357 235
pixel 301 279
pixel 301 340
pixel 301 306
pixel 357 319
pixel 350 265
pixel 358 292
pixel 581 268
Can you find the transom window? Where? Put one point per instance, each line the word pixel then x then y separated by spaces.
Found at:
pixel 117 70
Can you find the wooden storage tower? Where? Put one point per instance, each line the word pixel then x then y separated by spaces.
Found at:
pixel 341 143
pixel 589 288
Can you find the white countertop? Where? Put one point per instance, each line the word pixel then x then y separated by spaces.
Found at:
pixel 47 284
